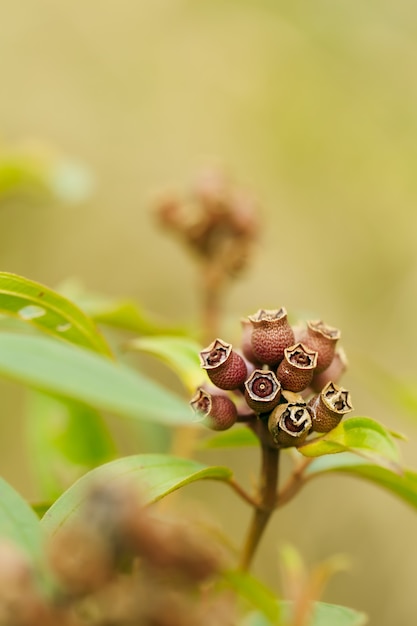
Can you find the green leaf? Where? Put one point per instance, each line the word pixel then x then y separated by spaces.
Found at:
pixel 236 437
pixel 255 593
pixel 179 353
pixel 123 314
pixel 330 615
pixel 18 523
pixel 82 375
pixel 362 436
pixel 65 440
pixel 404 486
pixel 156 475
pixel 48 311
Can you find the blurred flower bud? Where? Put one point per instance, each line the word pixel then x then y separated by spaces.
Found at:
pixel 333 373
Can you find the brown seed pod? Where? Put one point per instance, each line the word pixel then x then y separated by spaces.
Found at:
pixel 225 367
pixel 262 391
pixel 296 371
pixel 333 373
pixel 246 343
pixel 321 338
pixel 289 424
pixel 215 411
pixel 271 334
pixel 329 407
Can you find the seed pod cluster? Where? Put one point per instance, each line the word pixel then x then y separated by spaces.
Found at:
pixel 117 563
pixel 272 376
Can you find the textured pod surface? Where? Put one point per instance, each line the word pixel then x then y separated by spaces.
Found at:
pixel 321 338
pixel 225 367
pixel 329 407
pixel 289 424
pixel 271 334
pixel 262 391
pixel 218 412
pixel 333 373
pixel 246 342
pixel 295 372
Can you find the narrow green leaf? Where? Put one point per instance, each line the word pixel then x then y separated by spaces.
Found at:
pixel 72 372
pixel 48 311
pixel 330 615
pixel 362 436
pixel 237 437
pixel 18 523
pixel 404 486
pixel 255 593
pixel 179 353
pixel 123 314
pixel 156 475
pixel 65 439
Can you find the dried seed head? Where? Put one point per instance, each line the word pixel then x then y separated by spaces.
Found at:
pixel 271 335
pixel 262 391
pixel 289 424
pixel 333 373
pixel 321 338
pixel 225 367
pixel 215 411
pixel 329 407
pixel 296 371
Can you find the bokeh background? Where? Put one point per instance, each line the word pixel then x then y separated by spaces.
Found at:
pixel 312 105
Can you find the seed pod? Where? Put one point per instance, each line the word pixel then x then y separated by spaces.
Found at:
pixel 321 338
pixel 289 424
pixel 215 411
pixel 262 391
pixel 329 407
pixel 246 343
pixel 225 367
pixel 333 373
pixel 271 335
pixel 295 372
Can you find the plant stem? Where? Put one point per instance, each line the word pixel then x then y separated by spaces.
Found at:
pixel 266 505
pixel 294 483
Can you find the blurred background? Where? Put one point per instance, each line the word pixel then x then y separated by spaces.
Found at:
pixel 312 106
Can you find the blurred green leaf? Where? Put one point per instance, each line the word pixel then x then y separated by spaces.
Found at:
pixel 179 353
pixel 362 436
pixel 255 593
pixel 72 372
pixel 18 523
pixel 65 440
pixel 49 311
pixel 404 486
pixel 329 615
pixel 123 314
pixel 239 436
pixel 156 475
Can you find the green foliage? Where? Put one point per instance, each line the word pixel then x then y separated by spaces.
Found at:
pixel 65 439
pixel 72 372
pixel 156 475
pixel 18 523
pixel 403 485
pixel 362 436
pixel 48 311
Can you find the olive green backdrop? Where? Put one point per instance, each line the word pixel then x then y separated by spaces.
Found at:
pixel 312 104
